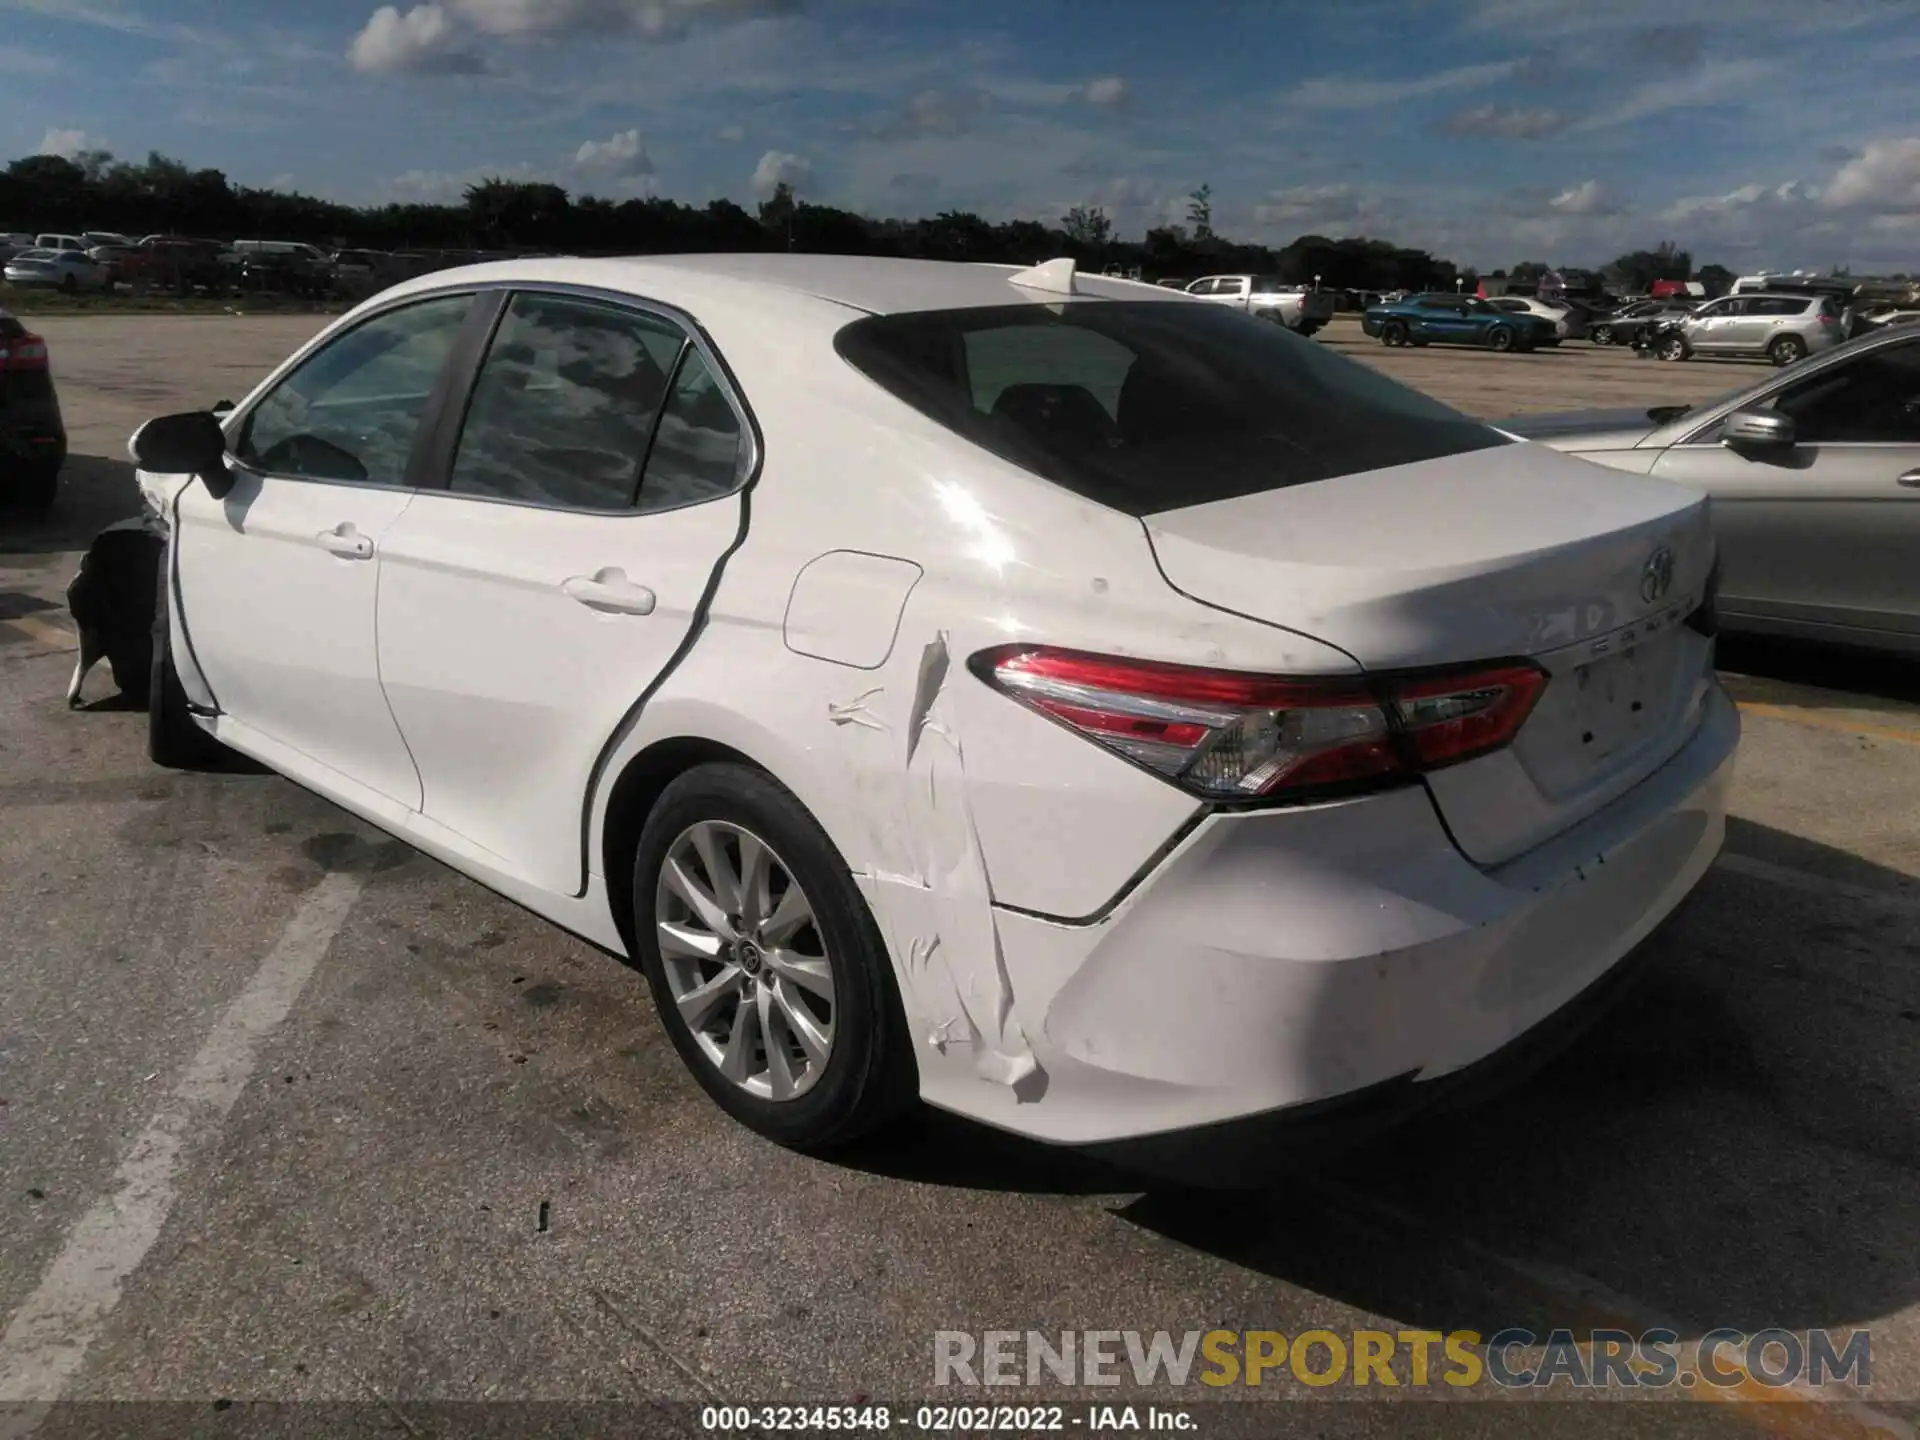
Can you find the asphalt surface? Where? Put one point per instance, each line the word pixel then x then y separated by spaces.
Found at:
pixel 290 1113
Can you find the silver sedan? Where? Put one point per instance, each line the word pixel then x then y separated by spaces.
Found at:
pixel 1815 479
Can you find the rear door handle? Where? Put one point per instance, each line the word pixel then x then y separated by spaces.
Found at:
pixel 1911 480
pixel 610 590
pixel 345 541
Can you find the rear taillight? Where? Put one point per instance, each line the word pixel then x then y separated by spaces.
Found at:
pixel 1229 735
pixel 29 352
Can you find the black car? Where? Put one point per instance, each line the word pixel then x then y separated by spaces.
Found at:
pixel 1624 325
pixel 33 437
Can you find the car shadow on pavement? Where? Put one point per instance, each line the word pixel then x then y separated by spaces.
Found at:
pixel 95 491
pixel 1838 675
pixel 932 1147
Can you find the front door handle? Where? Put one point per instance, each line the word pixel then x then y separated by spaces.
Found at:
pixel 346 542
pixel 1911 480
pixel 610 590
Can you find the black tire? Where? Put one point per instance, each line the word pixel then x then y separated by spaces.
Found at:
pixel 1393 333
pixel 1787 349
pixel 869 1074
pixel 1671 348
pixel 1602 335
pixel 173 739
pixel 1307 331
pixel 1500 338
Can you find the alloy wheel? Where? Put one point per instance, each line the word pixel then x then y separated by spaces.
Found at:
pixel 745 960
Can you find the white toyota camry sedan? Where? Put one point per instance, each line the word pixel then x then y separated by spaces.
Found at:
pixel 1067 702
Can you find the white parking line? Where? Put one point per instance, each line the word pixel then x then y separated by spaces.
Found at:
pixel 49 1336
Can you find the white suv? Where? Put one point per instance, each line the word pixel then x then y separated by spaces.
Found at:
pixel 1783 328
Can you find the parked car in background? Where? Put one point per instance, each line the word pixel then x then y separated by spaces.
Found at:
pixel 283 265
pixel 117 260
pixel 1568 323
pixel 68 270
pixel 1373 796
pixel 96 238
pixel 1295 306
pixel 52 241
pixel 1454 320
pixel 33 437
pixel 1780 328
pixel 176 263
pixel 1880 318
pixel 1623 325
pixel 1815 479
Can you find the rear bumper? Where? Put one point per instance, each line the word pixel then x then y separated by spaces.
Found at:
pixel 1304 970
pixel 31 442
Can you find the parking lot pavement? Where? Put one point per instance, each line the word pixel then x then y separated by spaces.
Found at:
pixel 292 1113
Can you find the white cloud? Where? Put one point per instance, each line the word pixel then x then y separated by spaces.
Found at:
pixel 1714 83
pixel 653 19
pixel 1347 92
pixel 1309 206
pixel 777 168
pixel 68 143
pixel 732 134
pixel 1505 122
pixel 622 153
pixel 1884 176
pixel 1104 90
pixel 15 61
pixel 424 40
pixel 1588 198
pixel 282 182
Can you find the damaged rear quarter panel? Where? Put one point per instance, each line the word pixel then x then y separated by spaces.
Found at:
pixel 946 799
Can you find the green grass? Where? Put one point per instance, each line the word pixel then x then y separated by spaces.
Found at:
pixel 52 302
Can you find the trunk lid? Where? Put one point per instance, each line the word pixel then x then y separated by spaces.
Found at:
pixel 1514 552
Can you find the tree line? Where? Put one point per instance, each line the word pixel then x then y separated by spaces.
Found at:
pixel 94 190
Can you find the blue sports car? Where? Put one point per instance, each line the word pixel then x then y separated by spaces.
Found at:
pixel 1453 320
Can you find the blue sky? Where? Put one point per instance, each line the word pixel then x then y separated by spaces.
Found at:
pixel 1758 132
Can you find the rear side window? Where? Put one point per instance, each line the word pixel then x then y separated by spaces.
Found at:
pixel 565 403
pixel 1147 407
pixel 699 450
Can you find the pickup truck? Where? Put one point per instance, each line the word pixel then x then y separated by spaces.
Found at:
pixel 1301 310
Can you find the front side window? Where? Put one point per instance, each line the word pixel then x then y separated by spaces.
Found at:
pixel 351 410
pixel 1871 400
pixel 1149 407
pixel 565 404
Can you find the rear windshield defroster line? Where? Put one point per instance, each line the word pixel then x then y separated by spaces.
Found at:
pixel 1153 406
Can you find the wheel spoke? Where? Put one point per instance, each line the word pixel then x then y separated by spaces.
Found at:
pixel 699 1004
pixel 809 972
pixel 786 920
pixel 779 1064
pixel 713 855
pixel 683 942
pixel 805 1028
pixel 710 911
pixel 736 1062
pixel 756 877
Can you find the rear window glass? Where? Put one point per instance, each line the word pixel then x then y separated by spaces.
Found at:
pixel 1147 407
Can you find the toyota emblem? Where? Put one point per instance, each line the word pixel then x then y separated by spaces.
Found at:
pixel 1657 578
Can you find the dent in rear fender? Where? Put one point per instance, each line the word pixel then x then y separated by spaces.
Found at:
pixel 875 756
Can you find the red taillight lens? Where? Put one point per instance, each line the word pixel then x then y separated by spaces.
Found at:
pixel 1455 717
pixel 29 352
pixel 1229 735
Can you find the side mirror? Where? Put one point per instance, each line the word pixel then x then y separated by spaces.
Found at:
pixel 1757 429
pixel 188 444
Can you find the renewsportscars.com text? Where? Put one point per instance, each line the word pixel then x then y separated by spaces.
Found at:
pixel 1510 1359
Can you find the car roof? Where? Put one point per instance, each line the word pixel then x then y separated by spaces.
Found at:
pixel 878 286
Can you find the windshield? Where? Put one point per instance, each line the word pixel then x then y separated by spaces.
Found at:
pixel 1147 407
